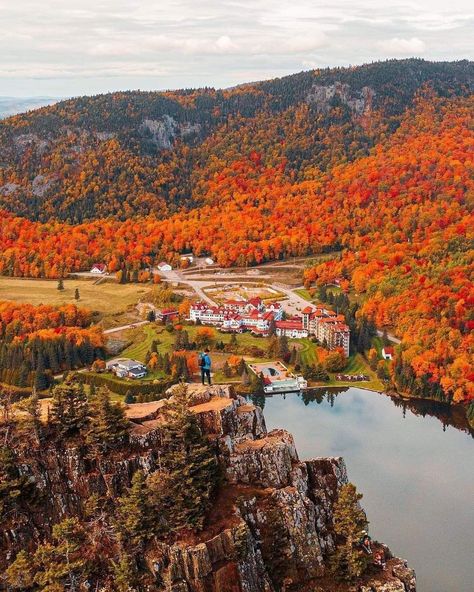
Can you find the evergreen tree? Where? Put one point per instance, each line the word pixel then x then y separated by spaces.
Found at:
pixel 108 424
pixel 242 367
pixel 348 562
pixel 134 519
pixel 125 574
pixel 283 347
pixel 62 563
pixel 233 340
pixel 60 284
pixel 41 382
pixel 151 316
pixel 227 370
pixel 191 466
pixel 257 384
pixel 70 407
pixel 20 574
pixel 273 347
pixel 77 296
pixel 293 356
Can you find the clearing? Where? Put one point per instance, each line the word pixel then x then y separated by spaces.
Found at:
pixel 107 298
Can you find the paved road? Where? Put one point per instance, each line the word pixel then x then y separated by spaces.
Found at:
pixel 123 327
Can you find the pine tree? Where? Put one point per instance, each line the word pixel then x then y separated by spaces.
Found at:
pixel 257 384
pixel 293 356
pixel 70 407
pixel 108 424
pixel 20 574
pixel 151 316
pixel 242 367
pixel 348 562
pixel 41 382
pixel 77 296
pixel 273 347
pixel 62 563
pixel 233 340
pixel 60 285
pixel 189 462
pixel 125 573
pixel 283 347
pixel 227 370
pixel 134 519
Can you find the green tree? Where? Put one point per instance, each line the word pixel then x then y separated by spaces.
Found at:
pixel 20 573
pixel 107 424
pixel 125 573
pixel 348 562
pixel 227 370
pixel 189 462
pixel 77 296
pixel 60 285
pixel 283 347
pixel 70 407
pixel 134 519
pixel 62 563
pixel 257 384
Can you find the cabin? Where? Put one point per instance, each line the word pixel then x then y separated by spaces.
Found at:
pixel 388 353
pixel 163 266
pixel 126 368
pixel 99 268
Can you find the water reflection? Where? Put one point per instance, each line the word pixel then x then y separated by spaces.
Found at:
pixel 415 470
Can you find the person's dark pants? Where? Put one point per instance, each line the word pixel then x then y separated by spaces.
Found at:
pixel 205 372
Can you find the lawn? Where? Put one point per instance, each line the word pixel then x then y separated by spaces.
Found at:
pixel 307 350
pixel 107 298
pixel 303 292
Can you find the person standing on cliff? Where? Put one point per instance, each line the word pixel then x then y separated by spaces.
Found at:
pixel 205 365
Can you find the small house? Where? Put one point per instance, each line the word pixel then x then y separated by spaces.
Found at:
pixel 126 368
pixel 388 353
pixel 99 268
pixel 163 266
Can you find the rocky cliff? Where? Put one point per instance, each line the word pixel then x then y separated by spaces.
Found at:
pixel 271 527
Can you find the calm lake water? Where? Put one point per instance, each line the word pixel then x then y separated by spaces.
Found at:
pixel 416 473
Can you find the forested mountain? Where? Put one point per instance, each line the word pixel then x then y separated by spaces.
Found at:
pixel 130 153
pixel 375 163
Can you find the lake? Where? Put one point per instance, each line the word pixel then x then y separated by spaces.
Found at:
pixel 414 467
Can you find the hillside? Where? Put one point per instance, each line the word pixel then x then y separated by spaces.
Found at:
pixel 380 171
pixel 139 153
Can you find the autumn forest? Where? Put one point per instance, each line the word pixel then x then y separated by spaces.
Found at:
pixel 373 165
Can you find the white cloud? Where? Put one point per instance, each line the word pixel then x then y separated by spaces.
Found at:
pixel 61 44
pixel 397 46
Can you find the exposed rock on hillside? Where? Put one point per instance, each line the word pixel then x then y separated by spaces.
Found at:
pixel 271 528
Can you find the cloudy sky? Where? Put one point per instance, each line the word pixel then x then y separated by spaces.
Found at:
pixel 67 47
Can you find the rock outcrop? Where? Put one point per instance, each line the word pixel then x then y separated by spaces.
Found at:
pixel 272 525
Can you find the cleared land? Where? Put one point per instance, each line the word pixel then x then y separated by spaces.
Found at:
pixel 107 298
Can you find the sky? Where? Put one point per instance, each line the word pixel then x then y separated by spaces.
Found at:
pixel 68 48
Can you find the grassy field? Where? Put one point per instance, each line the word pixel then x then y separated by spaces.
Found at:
pixel 143 337
pixel 108 298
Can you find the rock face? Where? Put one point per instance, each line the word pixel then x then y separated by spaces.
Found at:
pixel 274 533
pixel 165 131
pixel 359 102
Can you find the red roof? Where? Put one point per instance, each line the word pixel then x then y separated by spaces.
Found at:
pixel 289 325
pixel 307 310
pixel 389 350
pixel 99 266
